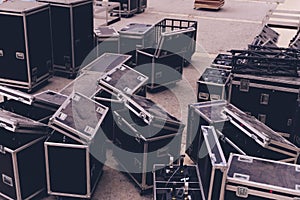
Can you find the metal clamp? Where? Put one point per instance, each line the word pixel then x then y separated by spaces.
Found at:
pixel 242 192
pixel 2 150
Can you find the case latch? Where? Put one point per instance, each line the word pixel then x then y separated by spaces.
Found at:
pixel 2 149
pixel 242 192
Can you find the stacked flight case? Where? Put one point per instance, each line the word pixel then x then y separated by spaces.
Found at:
pixel 267 37
pixel 145 135
pixel 246 134
pixel 72 33
pixel 212 163
pixel 213 84
pixel 177 182
pixel 25 56
pixel 22 166
pixel 107 40
pixel 75 151
pixel 265 96
pixel 223 61
pixel 255 178
pixel 136 36
pixel 164 64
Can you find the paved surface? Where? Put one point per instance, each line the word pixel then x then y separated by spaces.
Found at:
pixel 234 26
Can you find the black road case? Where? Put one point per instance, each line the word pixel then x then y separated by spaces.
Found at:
pixel 73 169
pixel 142 5
pixel 136 36
pixel 145 135
pixel 21 145
pixel 75 153
pixel 170 24
pixel 257 179
pixel 164 64
pixel 123 80
pixel 72 33
pixel 212 163
pixel 107 40
pixel 250 135
pixel 128 7
pixel 223 61
pixel 271 99
pixel 213 85
pixel 177 182
pixel 39 107
pixel 25 44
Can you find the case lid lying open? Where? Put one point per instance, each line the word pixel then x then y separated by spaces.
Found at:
pixel 79 118
pixel 17 123
pixel 123 79
pixel 151 113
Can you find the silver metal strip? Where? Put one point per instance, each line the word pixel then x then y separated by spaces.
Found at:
pixel 47 168
pixel 72 39
pixel 29 144
pixel 88 174
pixel 16 175
pixel 27 50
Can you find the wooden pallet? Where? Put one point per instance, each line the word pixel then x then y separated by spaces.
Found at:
pixel 209 4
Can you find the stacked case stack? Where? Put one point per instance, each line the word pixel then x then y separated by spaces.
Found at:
pixel 23 64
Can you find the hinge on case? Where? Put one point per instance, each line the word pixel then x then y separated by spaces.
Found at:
pixel 244 85
pixel 242 192
pixel 2 149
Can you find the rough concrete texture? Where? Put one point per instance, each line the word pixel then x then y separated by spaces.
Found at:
pixel 234 26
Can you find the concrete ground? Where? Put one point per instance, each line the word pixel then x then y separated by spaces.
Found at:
pixel 232 27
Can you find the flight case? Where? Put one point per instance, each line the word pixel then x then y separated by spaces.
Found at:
pixel 72 33
pixel 213 85
pixel 247 133
pixel 145 135
pixel 22 166
pixel 264 96
pixel 75 152
pixel 260 179
pixel 25 44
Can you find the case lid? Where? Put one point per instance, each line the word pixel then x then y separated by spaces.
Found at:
pixel 123 79
pixel 213 75
pixel 17 123
pixel 211 111
pixel 106 31
pixel 21 6
pixel 173 42
pixel 264 174
pixel 213 146
pixel 65 2
pixel 79 117
pixel 151 113
pixel 254 128
pixel 86 84
pixel 106 62
pixel 50 100
pixel 136 29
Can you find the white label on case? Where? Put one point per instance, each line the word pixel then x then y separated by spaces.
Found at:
pixel 89 130
pixel 76 98
pixel 99 110
pixel 242 192
pixel 62 116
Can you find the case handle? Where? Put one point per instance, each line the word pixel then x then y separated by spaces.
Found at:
pixel 20 56
pixel 241 176
pixel 7 180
